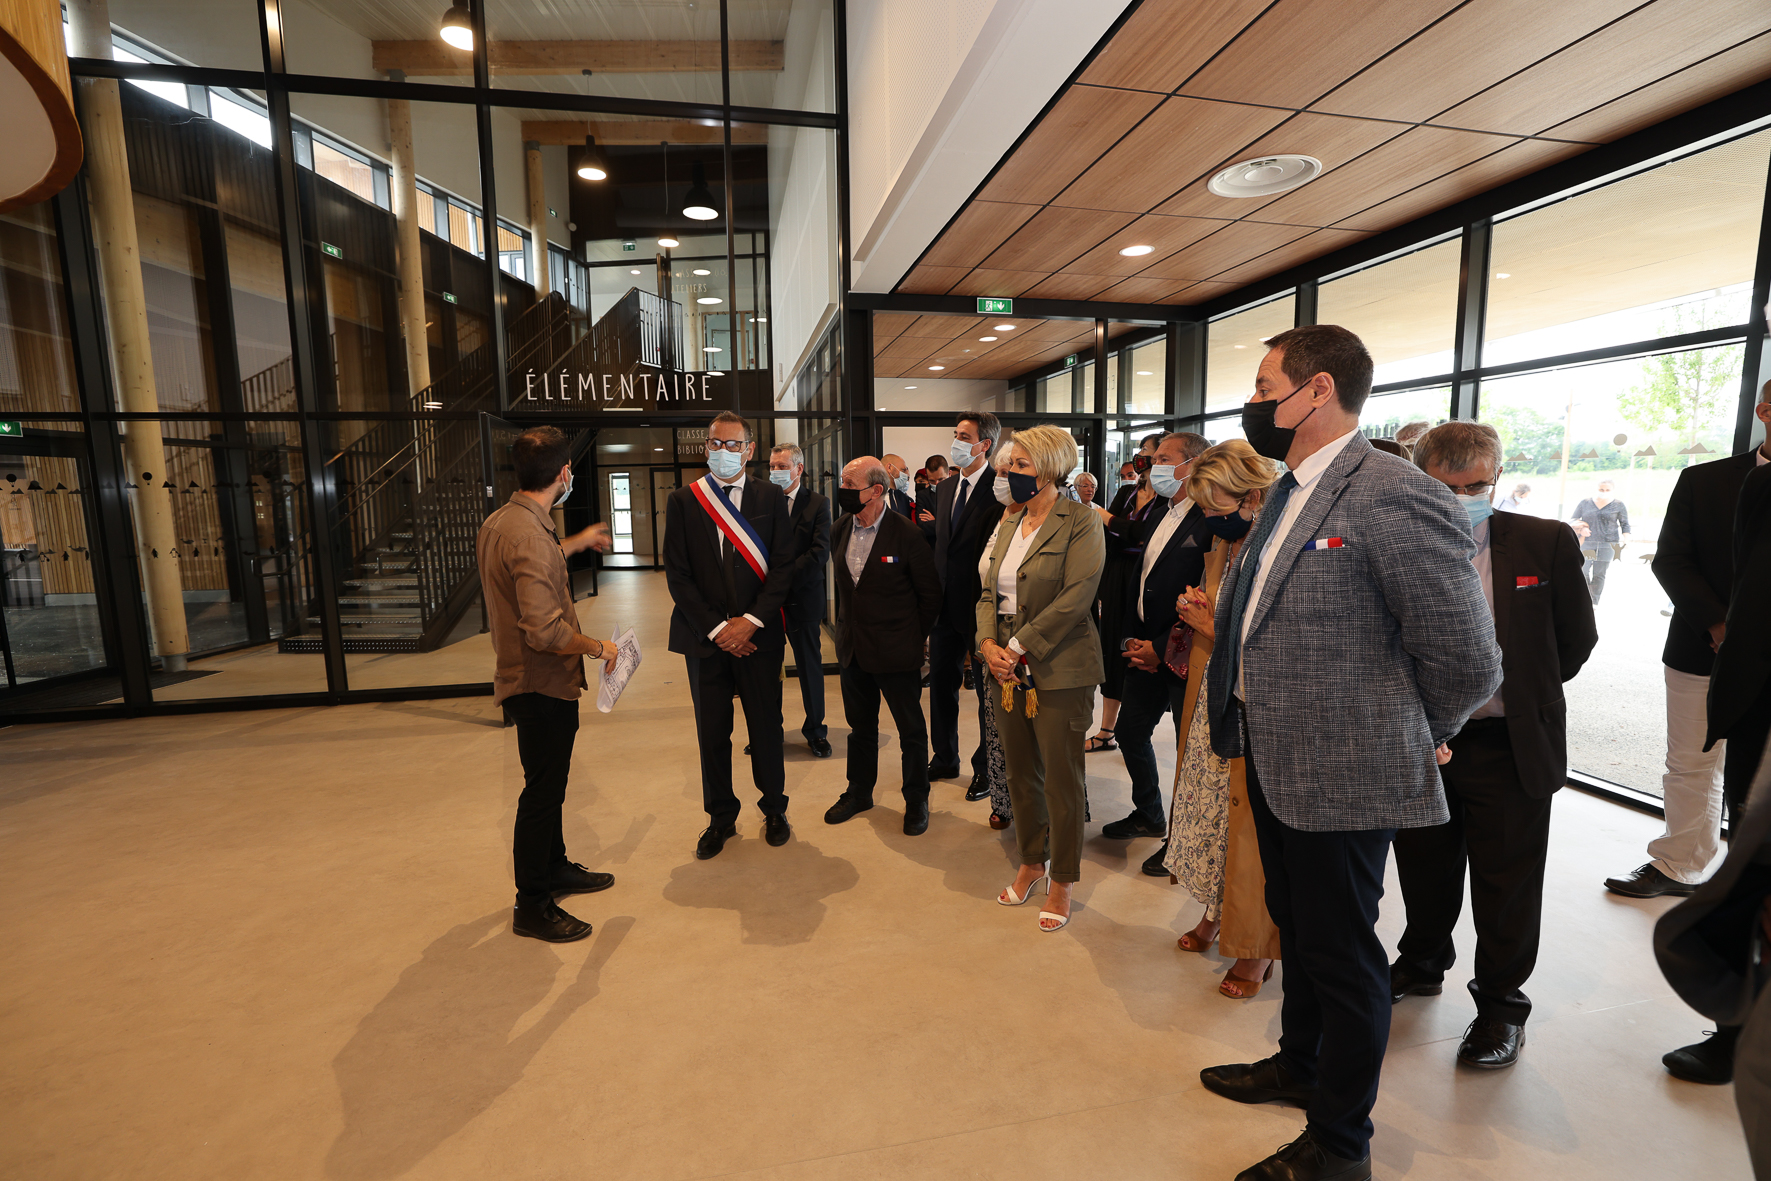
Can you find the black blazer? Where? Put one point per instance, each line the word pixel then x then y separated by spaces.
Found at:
pixel 1543 622
pixel 1181 564
pixel 1121 498
pixel 1744 663
pixel 708 592
pixel 901 504
pixel 959 545
pixel 1693 560
pixel 810 520
pixel 882 621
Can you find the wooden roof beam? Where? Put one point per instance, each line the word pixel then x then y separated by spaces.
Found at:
pixel 611 132
pixel 431 58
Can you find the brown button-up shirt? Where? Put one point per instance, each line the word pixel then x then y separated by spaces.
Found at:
pixel 529 604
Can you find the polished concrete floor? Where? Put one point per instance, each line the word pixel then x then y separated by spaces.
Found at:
pixel 275 945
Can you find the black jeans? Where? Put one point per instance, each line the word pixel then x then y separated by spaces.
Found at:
pixel 808 656
pixel 546 729
pixel 1323 890
pixel 1503 835
pixel 1144 698
pixel 1746 746
pixel 861 691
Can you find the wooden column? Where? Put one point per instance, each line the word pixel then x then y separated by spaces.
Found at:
pixel 537 220
pixel 411 261
pixel 126 311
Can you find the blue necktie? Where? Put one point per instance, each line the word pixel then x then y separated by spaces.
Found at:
pixel 1271 511
pixel 958 502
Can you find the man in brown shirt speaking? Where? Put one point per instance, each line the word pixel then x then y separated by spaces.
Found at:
pixel 540 673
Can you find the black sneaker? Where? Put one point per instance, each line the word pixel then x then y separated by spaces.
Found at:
pixel 1132 826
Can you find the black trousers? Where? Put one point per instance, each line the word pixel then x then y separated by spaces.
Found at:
pixel 861 691
pixel 1144 698
pixel 1323 890
pixel 1746 746
pixel 808 656
pixel 547 727
pixel 756 681
pixel 1503 835
pixel 947 650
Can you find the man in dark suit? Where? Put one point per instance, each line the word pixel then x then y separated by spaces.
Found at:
pixel 1352 642
pixel 1740 684
pixel 809 514
pixel 1694 563
pixel 1173 546
pixel 887 597
pixel 726 541
pixel 1133 469
pixel 1506 763
pixel 966 512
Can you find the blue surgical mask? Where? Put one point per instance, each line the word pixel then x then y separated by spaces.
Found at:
pixel 780 479
pixel 960 453
pixel 1478 507
pixel 1163 481
pixel 725 465
pixel 902 483
pixel 1022 487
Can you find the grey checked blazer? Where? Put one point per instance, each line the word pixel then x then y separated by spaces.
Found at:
pixel 1360 659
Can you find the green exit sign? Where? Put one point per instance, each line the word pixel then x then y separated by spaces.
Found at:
pixel 448 297
pixel 11 430
pixel 334 251
pixel 628 244
pixel 996 307
pixel 1070 360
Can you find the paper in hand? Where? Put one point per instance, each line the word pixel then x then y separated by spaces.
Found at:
pixel 627 661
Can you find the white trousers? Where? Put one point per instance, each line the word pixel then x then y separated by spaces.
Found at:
pixel 1692 785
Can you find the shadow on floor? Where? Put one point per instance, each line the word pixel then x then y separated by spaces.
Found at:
pixel 780 905
pixel 443 1045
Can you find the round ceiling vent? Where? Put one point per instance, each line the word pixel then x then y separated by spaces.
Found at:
pixel 1265 177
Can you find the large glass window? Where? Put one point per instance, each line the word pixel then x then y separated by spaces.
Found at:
pixel 1144 395
pixel 1405 310
pixel 1234 348
pixel 36 354
pixel 50 622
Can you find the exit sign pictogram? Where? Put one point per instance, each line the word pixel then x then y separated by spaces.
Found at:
pixel 996 307
pixel 12 430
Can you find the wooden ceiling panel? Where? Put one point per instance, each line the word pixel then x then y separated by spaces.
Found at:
pixel 1053 238
pixel 1198 293
pixel 1523 158
pixel 1656 40
pixel 1083 124
pixel 887 325
pixel 1003 284
pixel 1166 40
pixel 1708 80
pixel 940 327
pixel 1301 49
pixel 1166 234
pixel 980 228
pixel 1313 245
pixel 1071 285
pixel 1056 331
pixel 1472 49
pixel 927 280
pixel 1166 151
pixel 1141 289
pixel 909 348
pixel 1418 155
pixel 1224 249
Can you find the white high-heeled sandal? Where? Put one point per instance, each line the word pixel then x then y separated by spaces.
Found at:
pixel 1062 919
pixel 1009 898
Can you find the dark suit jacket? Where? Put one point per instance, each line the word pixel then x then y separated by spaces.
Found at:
pixel 1546 632
pixel 1693 560
pixel 1744 663
pixel 901 504
pixel 1705 943
pixel 1121 498
pixel 707 591
pixel 882 622
pixel 1180 565
pixel 959 545
pixel 810 520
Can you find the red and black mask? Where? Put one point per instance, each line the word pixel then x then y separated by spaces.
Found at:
pixel 1141 463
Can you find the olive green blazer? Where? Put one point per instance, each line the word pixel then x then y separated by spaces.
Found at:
pixel 1055 596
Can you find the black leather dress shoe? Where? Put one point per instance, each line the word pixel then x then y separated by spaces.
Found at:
pixel 1408 981
pixel 916 817
pixel 1153 866
pixel 1132 826
pixel 977 789
pixel 847 805
pixel 1256 1082
pixel 546 921
pixel 776 830
pixel 746 748
pixel 1647 882
pixel 1490 1044
pixel 1710 1061
pixel 937 771
pixel 713 839
pixel 820 747
pixel 1306 1160
pixel 572 878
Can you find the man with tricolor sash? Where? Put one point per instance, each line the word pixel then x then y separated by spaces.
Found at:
pixel 719 533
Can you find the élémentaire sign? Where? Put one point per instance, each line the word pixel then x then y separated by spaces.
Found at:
pixel 660 390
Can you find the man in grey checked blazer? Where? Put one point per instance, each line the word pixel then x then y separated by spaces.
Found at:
pixel 1354 642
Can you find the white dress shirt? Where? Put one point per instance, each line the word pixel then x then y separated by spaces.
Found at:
pixel 968 485
pixel 1306 474
pixel 735 494
pixel 1165 529
pixel 861 539
pixel 1484 564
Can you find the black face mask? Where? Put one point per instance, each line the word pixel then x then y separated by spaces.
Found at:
pixel 1230 527
pixel 1258 427
pixel 849 499
pixel 1022 487
pixel 1141 463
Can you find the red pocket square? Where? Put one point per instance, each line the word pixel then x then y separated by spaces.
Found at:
pixel 1525 580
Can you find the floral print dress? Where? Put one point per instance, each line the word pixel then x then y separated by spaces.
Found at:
pixel 1199 822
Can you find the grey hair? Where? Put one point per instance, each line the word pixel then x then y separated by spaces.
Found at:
pixel 1079 477
pixel 1458 446
pixel 794 455
pixel 1192 445
pixel 873 473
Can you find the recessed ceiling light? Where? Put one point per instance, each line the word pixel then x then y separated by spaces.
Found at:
pixel 1005 328
pixel 1239 346
pixel 1144 373
pixel 657 448
pixel 760 320
pixel 985 339
pixel 635 271
pixel 702 271
pixel 909 387
pixel 715 373
pixel 433 405
pixel 1502 275
pixel 712 348
pixel 1137 251
pixel 936 368
pixel 1266 176
pixel 668 243
pixel 708 299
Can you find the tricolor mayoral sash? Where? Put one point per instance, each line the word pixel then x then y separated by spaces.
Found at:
pixel 735 525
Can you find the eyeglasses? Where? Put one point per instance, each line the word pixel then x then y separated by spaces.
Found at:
pixel 1470 489
pixel 728 444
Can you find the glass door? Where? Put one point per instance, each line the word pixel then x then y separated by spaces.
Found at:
pixel 50 622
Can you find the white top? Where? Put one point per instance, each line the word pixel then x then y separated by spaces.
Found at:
pixel 1007 601
pixel 1165 529
pixel 1484 564
pixel 1306 474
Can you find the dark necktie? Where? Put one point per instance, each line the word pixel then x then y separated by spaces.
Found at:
pixel 728 556
pixel 1271 511
pixel 959 501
